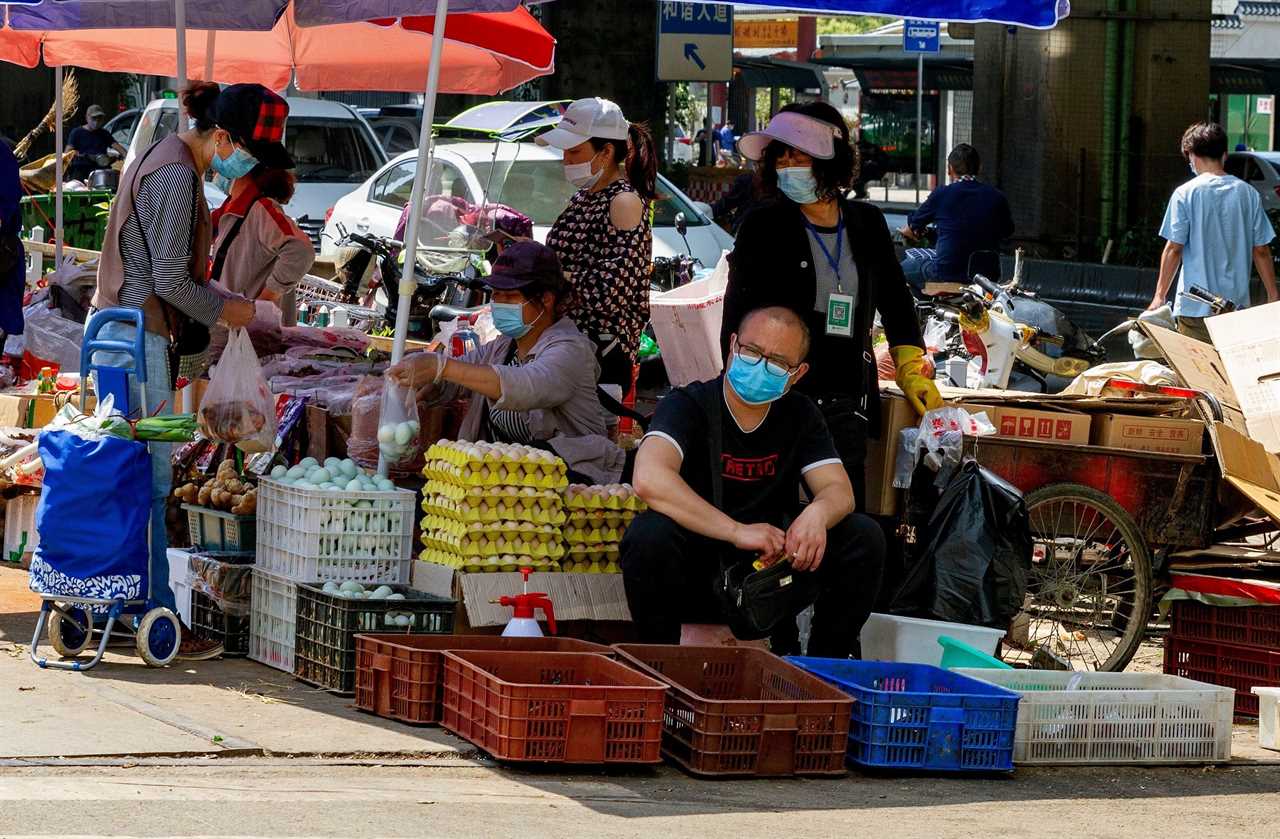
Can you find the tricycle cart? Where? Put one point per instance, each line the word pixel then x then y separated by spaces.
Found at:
pixel 102 586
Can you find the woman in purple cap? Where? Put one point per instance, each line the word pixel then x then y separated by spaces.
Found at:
pixel 535 385
pixel 831 260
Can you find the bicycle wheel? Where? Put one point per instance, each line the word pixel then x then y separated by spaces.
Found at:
pixel 1089 590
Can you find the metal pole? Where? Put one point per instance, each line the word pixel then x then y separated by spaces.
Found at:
pixel 711 146
pixel 408 285
pixel 57 166
pixel 180 33
pixel 919 119
pixel 210 46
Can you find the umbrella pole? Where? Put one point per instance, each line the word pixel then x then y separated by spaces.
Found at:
pixel 180 32
pixel 210 45
pixel 58 173
pixel 425 148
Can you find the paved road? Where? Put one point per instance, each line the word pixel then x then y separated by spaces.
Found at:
pixel 236 798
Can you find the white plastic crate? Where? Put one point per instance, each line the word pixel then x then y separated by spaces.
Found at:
pixel 308 535
pixel 915 640
pixel 1268 717
pixel 19 522
pixel 1116 718
pixel 273 617
pixel 686 323
pixel 180 582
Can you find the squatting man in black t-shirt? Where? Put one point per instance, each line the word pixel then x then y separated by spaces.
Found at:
pixel 772 440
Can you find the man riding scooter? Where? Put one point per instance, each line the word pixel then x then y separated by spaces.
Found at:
pixel 971 217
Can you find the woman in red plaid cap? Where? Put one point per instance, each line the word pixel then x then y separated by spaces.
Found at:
pixel 155 258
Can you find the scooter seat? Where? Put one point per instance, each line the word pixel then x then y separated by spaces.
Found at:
pixel 443 313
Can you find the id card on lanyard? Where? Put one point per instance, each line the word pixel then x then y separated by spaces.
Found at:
pixel 839 304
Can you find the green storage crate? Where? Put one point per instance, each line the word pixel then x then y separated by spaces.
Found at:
pixel 84 222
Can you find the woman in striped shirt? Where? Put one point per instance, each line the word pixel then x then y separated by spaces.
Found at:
pixel 155 258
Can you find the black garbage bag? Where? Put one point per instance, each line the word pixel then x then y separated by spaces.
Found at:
pixel 974 553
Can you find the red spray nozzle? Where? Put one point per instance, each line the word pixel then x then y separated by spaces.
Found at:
pixel 523 606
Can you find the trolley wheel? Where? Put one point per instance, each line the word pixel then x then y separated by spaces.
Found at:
pixel 158 636
pixel 1089 590
pixel 71 633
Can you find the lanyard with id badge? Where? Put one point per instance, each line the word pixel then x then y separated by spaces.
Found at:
pixel 839 304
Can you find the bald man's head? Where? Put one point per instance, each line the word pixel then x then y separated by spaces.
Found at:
pixel 785 331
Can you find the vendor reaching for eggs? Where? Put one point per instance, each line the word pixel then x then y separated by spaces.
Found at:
pixel 535 385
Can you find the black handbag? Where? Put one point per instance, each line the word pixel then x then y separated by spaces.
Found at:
pixel 752 602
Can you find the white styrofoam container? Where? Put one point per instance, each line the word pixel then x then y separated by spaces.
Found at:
pixel 1089 718
pixel 915 640
pixel 273 618
pixel 180 582
pixel 20 520
pixel 1268 717
pixel 309 535
pixel 686 321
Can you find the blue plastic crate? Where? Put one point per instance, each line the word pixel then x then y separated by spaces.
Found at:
pixel 914 716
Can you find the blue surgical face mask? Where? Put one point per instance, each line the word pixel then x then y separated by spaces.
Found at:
pixel 508 318
pixel 756 384
pixel 798 184
pixel 239 164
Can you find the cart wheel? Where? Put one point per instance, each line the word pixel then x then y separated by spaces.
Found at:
pixel 158 636
pixel 70 634
pixel 1089 590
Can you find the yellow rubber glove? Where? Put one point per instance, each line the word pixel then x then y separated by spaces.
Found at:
pixel 921 391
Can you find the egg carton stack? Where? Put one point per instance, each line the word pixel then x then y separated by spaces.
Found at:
pixel 598 518
pixel 493 507
pixel 320 522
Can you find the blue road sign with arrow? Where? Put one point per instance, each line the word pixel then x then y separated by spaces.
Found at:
pixel 695 42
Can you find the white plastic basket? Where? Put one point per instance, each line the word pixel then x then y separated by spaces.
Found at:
pixel 180 581
pixel 686 322
pixel 273 618
pixel 1268 717
pixel 915 640
pixel 1116 718
pixel 20 522
pixel 308 535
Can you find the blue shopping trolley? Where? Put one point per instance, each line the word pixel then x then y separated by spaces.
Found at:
pixel 96 507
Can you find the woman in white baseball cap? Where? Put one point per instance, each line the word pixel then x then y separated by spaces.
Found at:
pixel 831 260
pixel 603 238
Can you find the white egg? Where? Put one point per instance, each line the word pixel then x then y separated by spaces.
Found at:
pixel 387 433
pixel 349 468
pixel 279 472
pixel 403 620
pixel 389 620
pixel 404 433
pixel 331 587
pixel 308 463
pixel 382 592
pixel 353 485
pixel 296 472
pixel 395 596
pixel 351 585
pixel 319 476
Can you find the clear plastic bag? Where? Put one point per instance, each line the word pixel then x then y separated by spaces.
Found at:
pixel 238 407
pixel 942 432
pixel 399 427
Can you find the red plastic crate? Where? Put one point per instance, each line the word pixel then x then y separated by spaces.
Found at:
pixel 1242 626
pixel 745 712
pixel 553 707
pixel 1223 664
pixel 401 676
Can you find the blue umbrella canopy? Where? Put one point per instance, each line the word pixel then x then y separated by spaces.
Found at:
pixel 1039 14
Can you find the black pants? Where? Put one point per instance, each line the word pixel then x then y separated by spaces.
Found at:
pixel 669 571
pixel 848 429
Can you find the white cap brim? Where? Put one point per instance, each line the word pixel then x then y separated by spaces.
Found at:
pixel 561 139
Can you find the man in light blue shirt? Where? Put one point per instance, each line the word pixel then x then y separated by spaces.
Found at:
pixel 1216 232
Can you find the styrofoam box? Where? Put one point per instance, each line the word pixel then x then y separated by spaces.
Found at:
pixel 1268 717
pixel 915 640
pixel 1093 718
pixel 273 617
pixel 180 582
pixel 20 518
pixel 686 322
pixel 308 535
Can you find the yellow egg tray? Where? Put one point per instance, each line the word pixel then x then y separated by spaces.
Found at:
pixel 490 564
pixel 590 567
pixel 498 477
pixel 592 536
pixel 620 519
pixel 455 511
pixel 475 545
pixel 614 497
pixel 491 530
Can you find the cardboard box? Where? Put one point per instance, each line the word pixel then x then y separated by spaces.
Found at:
pixel 1148 434
pixel 1032 424
pixel 18 410
pixel 895 414
pixel 576 597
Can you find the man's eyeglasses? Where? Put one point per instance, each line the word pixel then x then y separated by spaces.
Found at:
pixel 775 364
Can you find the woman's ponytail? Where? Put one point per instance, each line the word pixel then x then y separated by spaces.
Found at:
pixel 642 161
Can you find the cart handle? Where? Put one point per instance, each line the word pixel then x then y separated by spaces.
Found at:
pixel 1196 396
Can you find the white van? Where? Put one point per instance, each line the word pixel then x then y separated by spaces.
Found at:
pixel 333 147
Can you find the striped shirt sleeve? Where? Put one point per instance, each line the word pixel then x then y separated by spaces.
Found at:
pixel 166 211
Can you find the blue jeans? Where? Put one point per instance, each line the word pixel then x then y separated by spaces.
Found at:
pixel 920 266
pixel 156 351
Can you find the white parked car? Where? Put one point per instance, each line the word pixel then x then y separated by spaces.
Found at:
pixel 522 175
pixel 333 147
pixel 1261 170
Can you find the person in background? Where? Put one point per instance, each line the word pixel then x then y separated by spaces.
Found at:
pixel 535 385
pixel 700 142
pixel 155 258
pixel 1214 227
pixel 830 260
pixel 259 252
pixel 604 237
pixel 771 441
pixel 970 217
pixel 13 265
pixel 737 202
pixel 94 146
pixel 728 141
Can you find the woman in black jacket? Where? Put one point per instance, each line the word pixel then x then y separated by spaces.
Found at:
pixel 831 260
